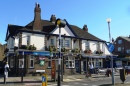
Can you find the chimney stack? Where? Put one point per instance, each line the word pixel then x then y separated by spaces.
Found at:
pixel 37 18
pixel 53 19
pixel 85 28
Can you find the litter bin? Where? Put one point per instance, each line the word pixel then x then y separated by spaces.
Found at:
pixel 122 75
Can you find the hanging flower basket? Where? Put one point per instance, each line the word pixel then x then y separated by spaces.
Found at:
pixel 99 52
pixel 88 51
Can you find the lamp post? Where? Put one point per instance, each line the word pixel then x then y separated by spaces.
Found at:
pixel 60 24
pixel 108 21
pixel 22 67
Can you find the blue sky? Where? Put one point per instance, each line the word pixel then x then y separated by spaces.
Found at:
pixel 93 13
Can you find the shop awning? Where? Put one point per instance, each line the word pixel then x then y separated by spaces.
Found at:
pixel 41 53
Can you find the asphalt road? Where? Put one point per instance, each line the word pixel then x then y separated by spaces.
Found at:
pixel 101 82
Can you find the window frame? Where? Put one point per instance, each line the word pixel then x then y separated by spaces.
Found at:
pixel 67 43
pixel 87 45
pixel 31 59
pixel 119 49
pixel 67 64
pixel 51 41
pixel 28 39
pixel 21 60
pixel 120 41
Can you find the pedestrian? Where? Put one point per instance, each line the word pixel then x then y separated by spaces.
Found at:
pixel 6 70
pixel 91 68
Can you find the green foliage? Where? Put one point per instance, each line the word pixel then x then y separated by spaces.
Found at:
pixel 52 48
pixel 31 47
pixel 75 50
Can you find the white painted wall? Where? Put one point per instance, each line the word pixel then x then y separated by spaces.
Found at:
pixel 76 44
pixel 36 39
pixel 64 30
pixel 93 48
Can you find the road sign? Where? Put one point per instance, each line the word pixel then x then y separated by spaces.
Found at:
pixel 43 79
pixel 110 47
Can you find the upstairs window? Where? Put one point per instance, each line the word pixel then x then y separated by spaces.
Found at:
pixel 119 48
pixel 67 44
pixel 28 40
pixel 51 41
pixel 87 45
pixel 98 46
pixel 119 41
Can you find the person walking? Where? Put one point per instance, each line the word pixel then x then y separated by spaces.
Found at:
pixel 91 68
pixel 6 70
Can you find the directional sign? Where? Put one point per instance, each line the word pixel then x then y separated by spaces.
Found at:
pixel 43 79
pixel 110 47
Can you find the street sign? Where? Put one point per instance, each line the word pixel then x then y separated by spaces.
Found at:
pixel 110 47
pixel 43 79
pixel 42 62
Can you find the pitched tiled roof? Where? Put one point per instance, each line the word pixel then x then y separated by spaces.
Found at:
pixel 126 38
pixel 48 27
pixel 83 34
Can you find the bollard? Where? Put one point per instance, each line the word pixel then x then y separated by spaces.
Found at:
pixel 4 79
pixel 44 80
pixel 122 75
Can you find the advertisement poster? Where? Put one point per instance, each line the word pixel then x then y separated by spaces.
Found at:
pixel 53 71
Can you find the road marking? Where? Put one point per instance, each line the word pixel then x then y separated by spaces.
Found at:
pixel 84 84
pixel 94 85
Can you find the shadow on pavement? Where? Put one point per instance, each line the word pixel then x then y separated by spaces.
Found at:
pixel 18 82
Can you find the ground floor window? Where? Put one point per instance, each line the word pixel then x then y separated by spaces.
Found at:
pixel 21 63
pixel 97 62
pixel 70 62
pixel 31 61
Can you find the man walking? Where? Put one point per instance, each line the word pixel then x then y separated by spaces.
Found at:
pixel 6 70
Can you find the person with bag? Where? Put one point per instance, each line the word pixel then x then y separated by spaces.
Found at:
pixel 6 70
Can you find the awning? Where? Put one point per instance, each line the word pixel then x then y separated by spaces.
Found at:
pixel 93 56
pixel 43 53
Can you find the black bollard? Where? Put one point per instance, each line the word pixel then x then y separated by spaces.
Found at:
pixel 4 79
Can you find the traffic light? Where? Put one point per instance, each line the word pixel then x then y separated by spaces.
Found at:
pixel 60 23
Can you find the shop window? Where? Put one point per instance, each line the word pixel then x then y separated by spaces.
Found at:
pixel 31 61
pixel 70 62
pixel 21 63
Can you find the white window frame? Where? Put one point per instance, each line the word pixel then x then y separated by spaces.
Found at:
pixel 119 49
pixel 87 45
pixel 31 59
pixel 119 41
pixel 21 65
pixel 98 46
pixel 51 41
pixel 70 59
pixel 28 40
pixel 67 43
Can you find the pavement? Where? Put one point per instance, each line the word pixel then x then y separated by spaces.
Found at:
pixel 37 80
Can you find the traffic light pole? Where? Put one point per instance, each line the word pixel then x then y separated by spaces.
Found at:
pixel 59 63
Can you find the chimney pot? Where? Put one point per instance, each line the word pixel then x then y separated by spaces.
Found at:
pixel 53 18
pixel 85 28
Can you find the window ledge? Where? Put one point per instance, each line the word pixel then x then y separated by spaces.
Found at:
pixel 49 68
pixel 70 68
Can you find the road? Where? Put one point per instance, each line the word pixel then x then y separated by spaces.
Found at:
pixel 95 82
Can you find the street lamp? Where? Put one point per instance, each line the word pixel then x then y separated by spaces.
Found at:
pixel 60 23
pixel 108 21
